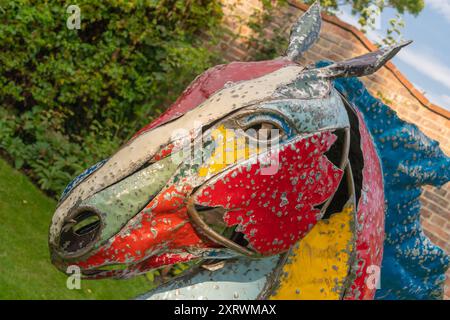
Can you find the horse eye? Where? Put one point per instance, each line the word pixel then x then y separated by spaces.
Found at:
pixel 264 131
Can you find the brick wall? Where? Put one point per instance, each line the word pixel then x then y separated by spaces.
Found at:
pixel 341 41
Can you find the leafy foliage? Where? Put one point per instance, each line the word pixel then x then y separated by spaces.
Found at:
pixel 69 98
pixel 367 10
pixel 361 6
pixel 263 46
pixel 394 33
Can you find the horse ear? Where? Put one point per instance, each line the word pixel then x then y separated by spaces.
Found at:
pixel 315 82
pixel 304 32
pixel 362 65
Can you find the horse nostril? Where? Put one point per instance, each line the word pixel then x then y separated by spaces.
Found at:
pixel 87 223
pixel 79 232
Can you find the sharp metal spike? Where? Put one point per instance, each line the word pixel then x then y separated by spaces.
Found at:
pixel 362 65
pixel 305 32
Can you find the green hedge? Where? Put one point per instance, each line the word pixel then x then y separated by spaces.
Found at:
pixel 69 98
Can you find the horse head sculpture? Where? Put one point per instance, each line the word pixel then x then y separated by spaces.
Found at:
pixel 275 176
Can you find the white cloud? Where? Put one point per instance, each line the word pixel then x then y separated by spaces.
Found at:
pixel 440 6
pixel 428 65
pixel 425 63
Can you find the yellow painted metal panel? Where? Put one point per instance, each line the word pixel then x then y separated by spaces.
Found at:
pixel 320 263
pixel 230 149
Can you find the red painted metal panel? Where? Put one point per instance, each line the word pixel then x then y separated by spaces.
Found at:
pixel 213 80
pixel 370 221
pixel 162 230
pixel 275 211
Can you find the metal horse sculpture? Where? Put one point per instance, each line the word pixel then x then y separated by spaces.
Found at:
pixel 331 203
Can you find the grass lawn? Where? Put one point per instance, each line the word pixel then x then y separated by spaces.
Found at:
pixel 25 269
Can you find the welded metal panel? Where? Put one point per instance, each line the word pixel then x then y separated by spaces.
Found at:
pixel 319 266
pixel 257 202
pixel 305 32
pixel 241 279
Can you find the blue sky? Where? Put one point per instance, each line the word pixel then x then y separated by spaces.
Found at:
pixel 426 62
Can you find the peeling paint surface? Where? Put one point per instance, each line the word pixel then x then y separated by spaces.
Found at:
pixel 412 267
pixel 257 202
pixel 158 236
pixel 229 149
pixel 319 265
pixel 313 115
pixel 241 279
pixel 305 32
pixel 143 147
pixel 369 220
pixel 120 202
pixel 212 81
pixel 75 182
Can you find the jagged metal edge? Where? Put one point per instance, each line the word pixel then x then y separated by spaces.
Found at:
pixel 362 65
